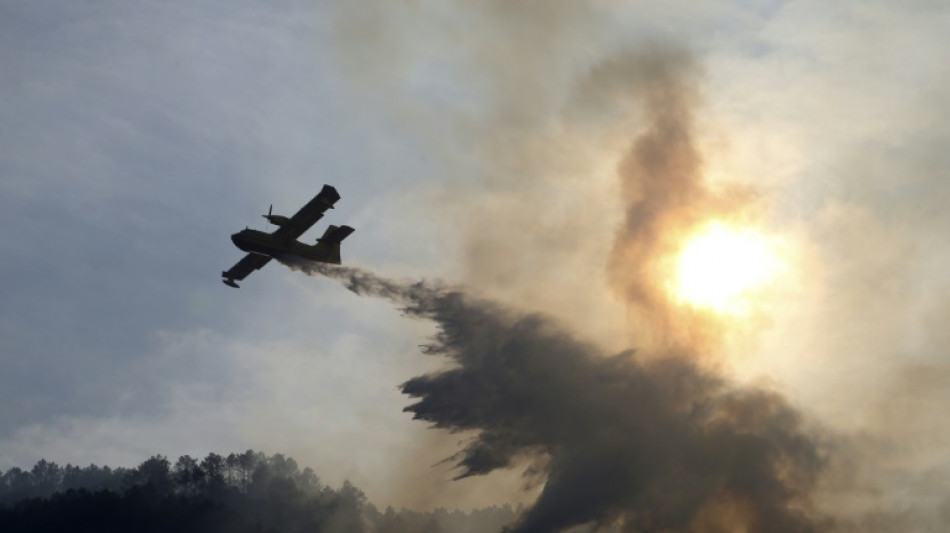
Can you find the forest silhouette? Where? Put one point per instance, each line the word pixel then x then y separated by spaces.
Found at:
pixel 246 492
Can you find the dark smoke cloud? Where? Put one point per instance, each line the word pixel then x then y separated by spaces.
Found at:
pixel 649 445
pixel 649 441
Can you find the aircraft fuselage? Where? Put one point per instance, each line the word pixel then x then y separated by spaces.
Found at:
pixel 262 243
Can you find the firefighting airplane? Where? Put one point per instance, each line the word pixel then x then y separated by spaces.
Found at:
pixel 262 246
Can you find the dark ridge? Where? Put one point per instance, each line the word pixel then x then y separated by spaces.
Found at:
pixel 239 493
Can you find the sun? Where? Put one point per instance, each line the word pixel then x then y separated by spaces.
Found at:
pixel 722 266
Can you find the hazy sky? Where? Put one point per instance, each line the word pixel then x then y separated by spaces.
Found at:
pixel 475 142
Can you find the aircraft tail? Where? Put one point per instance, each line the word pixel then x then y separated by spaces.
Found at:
pixel 336 234
pixel 330 242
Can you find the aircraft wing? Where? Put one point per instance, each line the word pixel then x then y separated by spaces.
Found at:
pixel 308 214
pixel 249 263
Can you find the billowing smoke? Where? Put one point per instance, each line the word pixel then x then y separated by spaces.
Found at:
pixel 652 444
pixel 573 166
pixel 643 441
pixel 664 191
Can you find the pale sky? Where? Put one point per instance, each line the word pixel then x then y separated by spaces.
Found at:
pixel 468 146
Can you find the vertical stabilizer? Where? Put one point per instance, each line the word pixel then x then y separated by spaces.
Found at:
pixel 328 246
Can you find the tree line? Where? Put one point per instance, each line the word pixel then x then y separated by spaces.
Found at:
pixel 246 492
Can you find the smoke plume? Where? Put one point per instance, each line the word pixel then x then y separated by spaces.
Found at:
pixel 574 164
pixel 664 191
pixel 652 444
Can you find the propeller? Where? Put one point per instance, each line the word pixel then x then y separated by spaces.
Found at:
pixel 270 211
pixel 277 220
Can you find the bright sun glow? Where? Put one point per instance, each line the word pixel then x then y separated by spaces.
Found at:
pixel 721 266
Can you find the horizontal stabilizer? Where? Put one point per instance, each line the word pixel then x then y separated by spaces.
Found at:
pixel 336 234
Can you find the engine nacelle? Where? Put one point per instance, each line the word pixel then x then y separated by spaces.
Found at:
pixel 277 220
